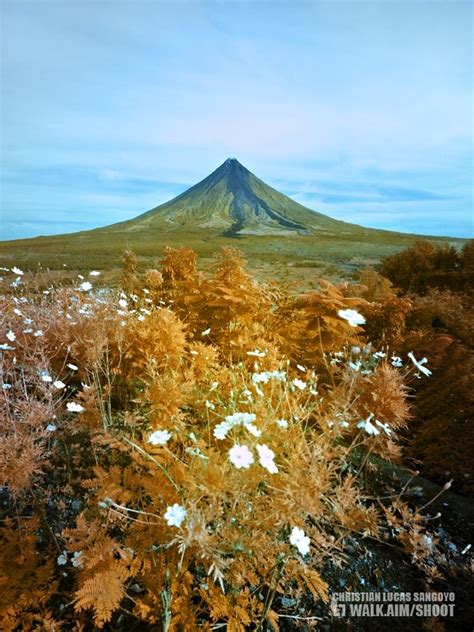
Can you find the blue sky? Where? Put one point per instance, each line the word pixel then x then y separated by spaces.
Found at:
pixel 361 110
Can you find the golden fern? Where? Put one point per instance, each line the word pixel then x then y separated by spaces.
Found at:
pixel 102 592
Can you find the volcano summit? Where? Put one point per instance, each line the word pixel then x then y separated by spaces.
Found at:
pixel 231 202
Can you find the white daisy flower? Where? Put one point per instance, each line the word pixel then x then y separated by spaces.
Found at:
pixel 85 287
pixel 76 559
pixel 58 384
pixel 73 407
pixel 299 539
pixel 419 364
pixel 299 384
pixel 396 361
pixel 241 418
pixel 240 456
pixel 256 353
pixel 159 437
pixel 260 378
pixel 175 515
pixel 266 457
pixel 11 336
pixel 352 316
pixel 263 377
pixel 236 419
pixel 221 430
pixel 368 426
pixel 253 430
pixel 258 390
pixel 385 427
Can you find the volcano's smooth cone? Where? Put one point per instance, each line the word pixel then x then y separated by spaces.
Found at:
pixel 232 201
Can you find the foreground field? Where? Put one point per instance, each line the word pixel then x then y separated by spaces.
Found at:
pixel 195 451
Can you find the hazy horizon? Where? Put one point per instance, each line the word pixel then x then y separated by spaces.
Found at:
pixel 359 110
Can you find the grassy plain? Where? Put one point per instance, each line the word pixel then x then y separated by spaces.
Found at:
pixel 297 258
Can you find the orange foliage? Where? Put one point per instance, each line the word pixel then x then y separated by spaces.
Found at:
pixel 209 432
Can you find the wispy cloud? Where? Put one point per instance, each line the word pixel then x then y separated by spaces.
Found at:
pixel 349 107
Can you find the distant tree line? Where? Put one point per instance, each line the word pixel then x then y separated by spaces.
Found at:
pixel 426 265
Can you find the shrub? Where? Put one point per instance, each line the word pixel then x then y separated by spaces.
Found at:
pixel 425 265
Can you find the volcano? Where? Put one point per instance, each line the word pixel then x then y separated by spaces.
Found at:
pixel 233 202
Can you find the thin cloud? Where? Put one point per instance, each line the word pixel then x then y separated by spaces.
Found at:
pixel 111 112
